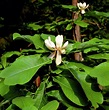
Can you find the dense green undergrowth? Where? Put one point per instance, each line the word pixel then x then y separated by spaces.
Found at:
pixel 30 80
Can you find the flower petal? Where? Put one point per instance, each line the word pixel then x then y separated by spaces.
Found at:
pixel 63 51
pixel 58 58
pixel 49 44
pixel 59 41
pixel 82 11
pixel 87 6
pixel 78 5
pixel 84 5
pixel 65 44
pixel 52 55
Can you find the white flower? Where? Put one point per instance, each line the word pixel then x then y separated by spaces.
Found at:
pixel 58 49
pixel 82 7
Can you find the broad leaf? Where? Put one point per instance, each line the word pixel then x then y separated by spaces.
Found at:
pixel 36 40
pixel 69 87
pixel 99 56
pixel 101 72
pixel 23 69
pixel 23 102
pixel 96 97
pixel 51 105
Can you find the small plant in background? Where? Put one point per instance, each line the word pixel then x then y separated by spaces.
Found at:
pixel 29 78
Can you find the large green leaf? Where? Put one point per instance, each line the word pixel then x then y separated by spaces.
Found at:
pixel 35 39
pixel 101 72
pixel 38 42
pixel 95 97
pixel 39 96
pixel 51 105
pixel 23 69
pixel 23 102
pixel 72 90
pixel 99 56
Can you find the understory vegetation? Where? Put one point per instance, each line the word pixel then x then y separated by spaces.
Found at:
pixel 54 54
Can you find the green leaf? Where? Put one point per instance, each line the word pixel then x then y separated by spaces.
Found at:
pixel 57 71
pixel 69 48
pixel 16 35
pixel 103 14
pixel 80 66
pixel 35 26
pixel 10 107
pixel 7 55
pixel 90 49
pixel 51 105
pixel 13 92
pixel 39 96
pixel 45 36
pixel 36 40
pixel 95 97
pixel 74 108
pixel 69 26
pixel 97 14
pixel 70 7
pixel 31 107
pixel 4 89
pixel 1 67
pixel 81 23
pixel 23 69
pixel 101 72
pixel 23 102
pixel 59 95
pixel 99 56
pixel 69 87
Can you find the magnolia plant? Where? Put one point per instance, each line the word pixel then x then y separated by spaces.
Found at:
pixel 82 7
pixel 57 49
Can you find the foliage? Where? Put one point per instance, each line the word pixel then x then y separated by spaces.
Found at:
pixel 29 79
